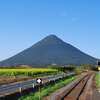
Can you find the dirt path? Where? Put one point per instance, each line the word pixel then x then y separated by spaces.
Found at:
pixel 88 91
pixel 96 92
pixel 96 95
pixel 8 80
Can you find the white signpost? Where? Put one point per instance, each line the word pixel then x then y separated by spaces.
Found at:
pixel 39 81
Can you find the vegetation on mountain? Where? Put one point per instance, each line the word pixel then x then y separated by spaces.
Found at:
pixel 50 51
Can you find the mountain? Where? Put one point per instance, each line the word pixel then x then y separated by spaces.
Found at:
pixel 50 50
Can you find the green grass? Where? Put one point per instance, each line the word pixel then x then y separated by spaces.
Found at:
pixel 27 72
pixel 97 78
pixel 47 90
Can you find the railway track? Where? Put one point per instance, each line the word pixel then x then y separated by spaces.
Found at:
pixel 77 89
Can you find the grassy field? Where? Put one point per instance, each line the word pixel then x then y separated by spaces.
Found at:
pixel 27 72
pixel 47 90
pixel 97 78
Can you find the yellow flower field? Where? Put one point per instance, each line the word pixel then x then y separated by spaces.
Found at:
pixel 26 72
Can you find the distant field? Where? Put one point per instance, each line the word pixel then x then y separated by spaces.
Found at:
pixel 27 72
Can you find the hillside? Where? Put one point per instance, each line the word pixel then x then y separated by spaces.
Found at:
pixel 50 50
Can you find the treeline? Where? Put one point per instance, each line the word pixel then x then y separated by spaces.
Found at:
pixel 74 68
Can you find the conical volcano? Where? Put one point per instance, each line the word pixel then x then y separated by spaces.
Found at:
pixel 50 50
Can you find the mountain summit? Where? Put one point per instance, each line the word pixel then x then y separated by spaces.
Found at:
pixel 50 50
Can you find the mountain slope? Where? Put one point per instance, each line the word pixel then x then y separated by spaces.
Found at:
pixel 50 50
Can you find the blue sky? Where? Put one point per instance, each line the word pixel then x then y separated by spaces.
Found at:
pixel 24 22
